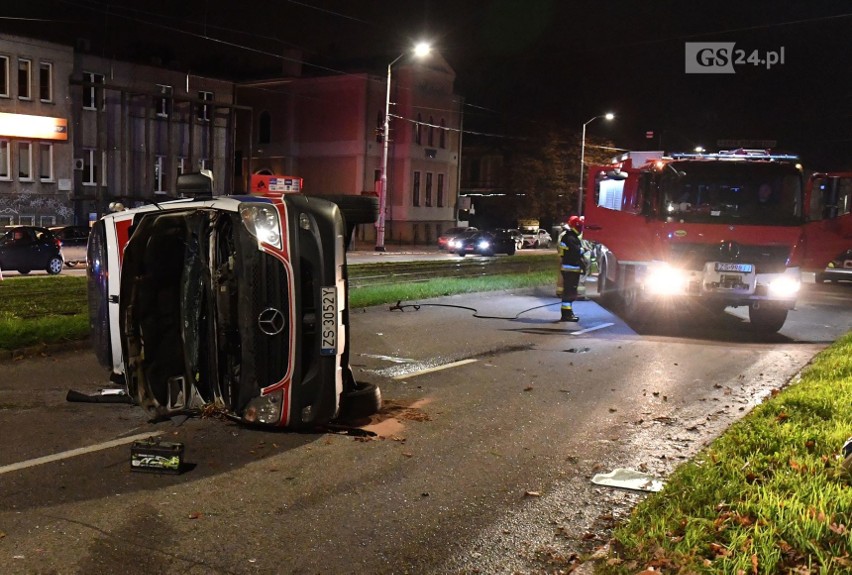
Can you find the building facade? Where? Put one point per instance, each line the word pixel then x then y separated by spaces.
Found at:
pixel 136 128
pixel 80 131
pixel 35 117
pixel 328 131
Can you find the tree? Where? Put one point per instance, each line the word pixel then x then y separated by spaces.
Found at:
pixel 542 172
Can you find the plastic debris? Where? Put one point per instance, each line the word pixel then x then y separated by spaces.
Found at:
pixel 629 479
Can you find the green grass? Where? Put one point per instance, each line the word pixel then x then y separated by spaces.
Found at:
pixel 42 310
pixel 768 496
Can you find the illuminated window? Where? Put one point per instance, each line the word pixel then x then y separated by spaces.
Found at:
pixel 415 193
pixel 5 167
pixel 440 190
pixel 25 161
pixel 45 82
pixel 90 168
pixel 93 94
pixel 428 189
pixel 205 111
pixel 163 102
pixel 45 162
pixel 24 78
pixel 4 76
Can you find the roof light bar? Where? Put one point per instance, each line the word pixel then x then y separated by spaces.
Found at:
pixel 741 154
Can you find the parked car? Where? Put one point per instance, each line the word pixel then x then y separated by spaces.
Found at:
pixel 451 233
pixel 237 303
pixel 484 244
pixel 74 240
pixel 840 268
pixel 537 238
pixel 27 248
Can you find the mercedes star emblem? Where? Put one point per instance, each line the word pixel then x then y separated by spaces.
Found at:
pixel 271 321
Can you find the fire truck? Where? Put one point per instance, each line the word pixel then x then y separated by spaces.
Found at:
pixel 735 228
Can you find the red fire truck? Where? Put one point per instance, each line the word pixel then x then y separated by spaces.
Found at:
pixel 734 228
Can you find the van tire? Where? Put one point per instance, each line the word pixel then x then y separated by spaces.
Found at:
pixel 356 209
pixel 363 401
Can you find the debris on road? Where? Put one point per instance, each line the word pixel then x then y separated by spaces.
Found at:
pixel 628 479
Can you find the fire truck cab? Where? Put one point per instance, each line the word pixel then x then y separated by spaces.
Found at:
pixel 709 230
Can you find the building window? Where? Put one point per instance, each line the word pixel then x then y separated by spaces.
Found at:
pixel 45 82
pixel 163 102
pixel 26 220
pixel 264 132
pixel 4 76
pixel 5 164
pixel 45 162
pixel 25 161
pixel 205 111
pixel 440 190
pixel 181 165
pixel 90 168
pixel 24 78
pixel 431 131
pixel 415 193
pixel 203 164
pixel 443 135
pixel 7 221
pixel 159 163
pixel 47 221
pixel 428 189
pixel 92 94
pixel 417 129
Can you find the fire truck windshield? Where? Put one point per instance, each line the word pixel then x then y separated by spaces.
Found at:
pixel 731 192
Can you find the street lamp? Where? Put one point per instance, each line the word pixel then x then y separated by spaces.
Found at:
pixel 420 50
pixel 607 116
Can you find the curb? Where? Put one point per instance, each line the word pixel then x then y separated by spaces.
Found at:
pixel 42 350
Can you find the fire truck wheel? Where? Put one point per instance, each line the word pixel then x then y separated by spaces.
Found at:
pixel 605 287
pixel 633 306
pixel 356 209
pixel 363 401
pixel 767 318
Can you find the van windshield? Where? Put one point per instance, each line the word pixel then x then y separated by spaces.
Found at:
pixel 752 193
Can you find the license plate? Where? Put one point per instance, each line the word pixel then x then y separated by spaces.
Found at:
pixel 732 267
pixel 328 329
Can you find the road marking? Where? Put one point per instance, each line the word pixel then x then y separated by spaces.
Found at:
pixel 588 329
pixel 75 452
pixel 437 368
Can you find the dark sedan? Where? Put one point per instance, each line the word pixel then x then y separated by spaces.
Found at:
pixel 27 248
pixel 483 244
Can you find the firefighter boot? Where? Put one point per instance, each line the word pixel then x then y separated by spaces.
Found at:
pixel 568 315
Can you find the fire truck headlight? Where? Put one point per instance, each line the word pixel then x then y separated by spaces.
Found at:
pixel 665 280
pixel 784 286
pixel 263 223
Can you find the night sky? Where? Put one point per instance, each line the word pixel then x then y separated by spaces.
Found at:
pixel 536 61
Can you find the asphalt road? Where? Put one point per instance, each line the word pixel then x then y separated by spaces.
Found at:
pixel 495 421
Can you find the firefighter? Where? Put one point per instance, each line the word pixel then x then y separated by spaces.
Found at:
pixel 573 265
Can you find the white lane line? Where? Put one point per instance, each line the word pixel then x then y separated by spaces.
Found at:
pixel 75 452
pixel 593 328
pixel 433 369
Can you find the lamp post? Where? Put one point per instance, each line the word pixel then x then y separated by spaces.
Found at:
pixel 420 50
pixel 607 116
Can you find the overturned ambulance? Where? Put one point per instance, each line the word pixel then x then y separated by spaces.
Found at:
pixel 234 302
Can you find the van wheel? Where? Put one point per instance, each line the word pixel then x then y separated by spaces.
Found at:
pixel 356 209
pixel 363 401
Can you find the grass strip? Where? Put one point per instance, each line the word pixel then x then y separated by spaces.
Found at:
pixel 768 496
